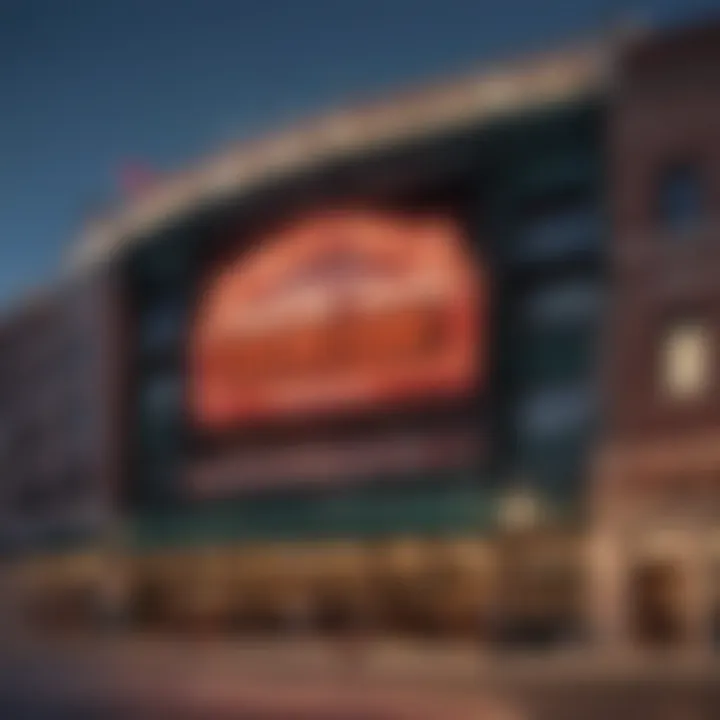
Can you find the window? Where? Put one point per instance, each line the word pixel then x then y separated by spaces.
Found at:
pixel 160 414
pixel 554 356
pixel 161 325
pixel 162 395
pixel 575 301
pixel 681 198
pixel 555 412
pixel 167 262
pixel 556 334
pixel 685 362
pixel 559 229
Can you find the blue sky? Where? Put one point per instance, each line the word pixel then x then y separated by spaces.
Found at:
pixel 87 86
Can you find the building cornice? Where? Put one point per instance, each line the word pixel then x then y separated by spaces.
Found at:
pixel 348 133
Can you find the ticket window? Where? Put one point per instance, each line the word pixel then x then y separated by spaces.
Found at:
pixel 343 591
pixel 656 603
pixel 395 584
pixel 541 602
pixel 715 608
pixel 456 588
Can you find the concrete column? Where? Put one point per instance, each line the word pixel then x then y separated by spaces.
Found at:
pixel 608 598
pixel 697 596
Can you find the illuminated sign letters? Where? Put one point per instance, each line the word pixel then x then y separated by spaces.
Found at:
pixel 339 310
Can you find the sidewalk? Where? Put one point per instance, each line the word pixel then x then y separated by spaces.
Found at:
pixel 281 677
pixel 386 660
pixel 143 675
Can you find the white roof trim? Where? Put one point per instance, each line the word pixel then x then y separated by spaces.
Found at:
pixel 532 82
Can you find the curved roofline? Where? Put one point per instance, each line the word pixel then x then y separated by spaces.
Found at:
pixel 531 81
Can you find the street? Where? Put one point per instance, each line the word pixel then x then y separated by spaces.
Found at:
pixel 156 679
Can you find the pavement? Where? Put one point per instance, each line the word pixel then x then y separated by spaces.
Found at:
pixel 137 676
pixel 147 677
pixel 394 659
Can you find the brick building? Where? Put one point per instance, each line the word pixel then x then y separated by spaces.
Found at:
pixel 657 492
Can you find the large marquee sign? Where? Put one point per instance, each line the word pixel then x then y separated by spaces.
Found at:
pixel 339 311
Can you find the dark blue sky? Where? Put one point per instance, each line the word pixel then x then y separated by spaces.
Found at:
pixel 88 85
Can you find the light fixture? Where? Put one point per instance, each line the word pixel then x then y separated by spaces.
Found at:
pixel 520 508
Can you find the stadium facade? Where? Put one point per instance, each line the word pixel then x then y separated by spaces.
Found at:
pixel 442 364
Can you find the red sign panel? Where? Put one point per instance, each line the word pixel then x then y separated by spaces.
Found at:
pixel 339 311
